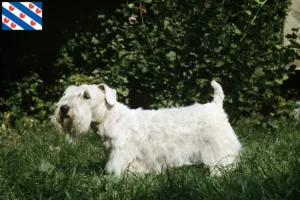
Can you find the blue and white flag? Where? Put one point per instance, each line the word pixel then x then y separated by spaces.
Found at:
pixel 22 16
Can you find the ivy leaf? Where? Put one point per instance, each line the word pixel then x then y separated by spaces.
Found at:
pixel 171 55
pixel 101 16
pixel 84 56
pixel 219 64
pixel 102 51
pixel 248 12
pixel 285 76
pixel 125 93
pixel 259 2
pixel 193 54
pixel 207 5
pixel 236 30
pixel 122 53
pixel 202 65
pixel 130 5
pixel 268 83
pixel 96 71
pixel 95 41
pixel 259 72
pixel 166 23
pixel 218 50
pixel 147 1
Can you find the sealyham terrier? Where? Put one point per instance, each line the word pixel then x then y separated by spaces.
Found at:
pixel 144 141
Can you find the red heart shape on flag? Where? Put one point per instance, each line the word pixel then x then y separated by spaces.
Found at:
pixel 22 15
pixel 11 8
pixel 6 20
pixel 38 11
pixel 32 23
pixel 13 25
pixel 31 6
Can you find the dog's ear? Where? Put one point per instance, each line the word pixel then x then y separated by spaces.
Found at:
pixel 110 94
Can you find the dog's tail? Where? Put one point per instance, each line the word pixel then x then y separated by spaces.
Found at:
pixel 218 93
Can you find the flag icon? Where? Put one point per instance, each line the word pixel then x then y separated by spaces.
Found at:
pixel 22 16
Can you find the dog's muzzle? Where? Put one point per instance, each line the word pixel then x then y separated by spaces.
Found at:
pixel 64 114
pixel 64 109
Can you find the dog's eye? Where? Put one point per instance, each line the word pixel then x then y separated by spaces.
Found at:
pixel 86 95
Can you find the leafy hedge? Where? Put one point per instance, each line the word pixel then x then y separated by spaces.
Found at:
pixel 163 53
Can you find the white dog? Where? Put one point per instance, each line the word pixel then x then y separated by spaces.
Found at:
pixel 150 140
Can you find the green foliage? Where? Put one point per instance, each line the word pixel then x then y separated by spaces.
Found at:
pixel 24 99
pixel 168 58
pixel 40 164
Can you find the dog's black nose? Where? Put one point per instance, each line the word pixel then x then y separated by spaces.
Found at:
pixel 64 109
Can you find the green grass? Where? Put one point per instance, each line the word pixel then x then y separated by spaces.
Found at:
pixel 37 163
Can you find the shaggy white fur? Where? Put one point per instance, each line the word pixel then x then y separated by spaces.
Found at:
pixel 150 140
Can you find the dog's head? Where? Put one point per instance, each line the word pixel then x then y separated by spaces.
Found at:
pixel 80 106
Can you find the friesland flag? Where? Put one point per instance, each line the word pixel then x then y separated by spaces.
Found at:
pixel 22 16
